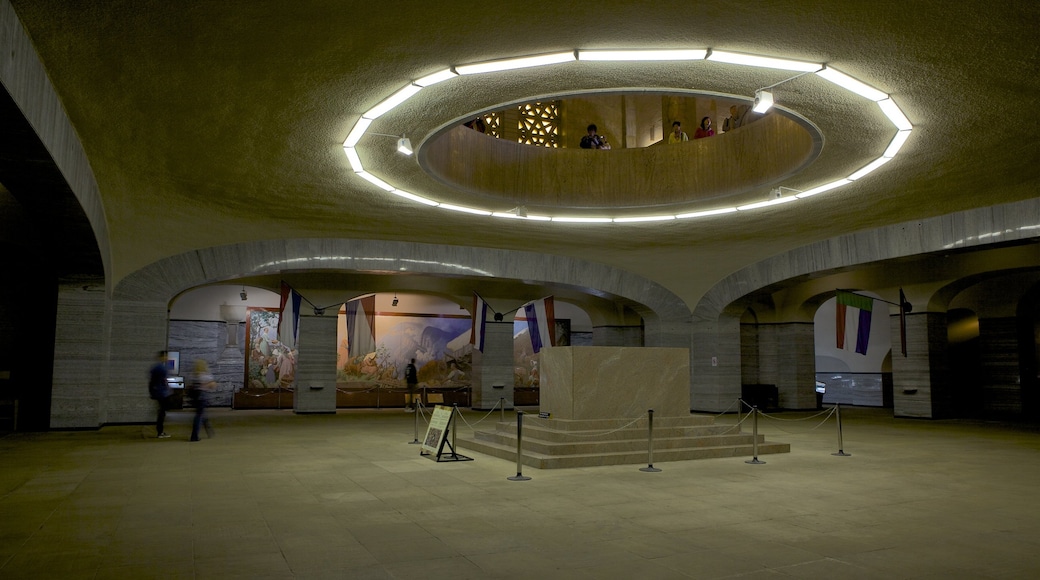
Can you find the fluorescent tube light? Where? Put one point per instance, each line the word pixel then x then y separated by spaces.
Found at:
pixel 896 144
pixel 514 63
pixel 648 218
pixel 437 77
pixel 375 181
pixel 511 215
pixel 823 188
pixel 392 101
pixel 357 132
pixel 763 61
pixel 846 82
pixel 355 160
pixel 583 220
pixel 413 197
pixel 767 203
pixel 614 55
pixel 870 167
pixel 706 213
pixel 464 209
pixel 891 110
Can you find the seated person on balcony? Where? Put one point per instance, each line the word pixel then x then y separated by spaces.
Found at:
pixel 677 135
pixel 594 141
pixel 705 129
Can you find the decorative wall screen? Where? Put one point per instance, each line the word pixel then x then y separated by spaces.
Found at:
pixel 493 124
pixel 538 124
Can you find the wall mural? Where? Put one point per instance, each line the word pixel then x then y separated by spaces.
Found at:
pixel 439 343
pixel 269 363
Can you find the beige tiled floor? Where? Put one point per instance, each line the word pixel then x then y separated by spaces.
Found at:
pixel 276 495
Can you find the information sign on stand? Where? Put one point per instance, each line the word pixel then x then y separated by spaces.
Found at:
pixel 436 439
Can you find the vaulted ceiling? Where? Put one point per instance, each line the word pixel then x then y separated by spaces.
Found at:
pixel 221 122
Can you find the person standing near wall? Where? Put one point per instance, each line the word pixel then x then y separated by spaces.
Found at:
pixel 202 387
pixel 159 390
pixel 411 377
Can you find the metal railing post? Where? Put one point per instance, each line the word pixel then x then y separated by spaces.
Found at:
pixel 650 444
pixel 519 447
pixel 841 445
pixel 754 435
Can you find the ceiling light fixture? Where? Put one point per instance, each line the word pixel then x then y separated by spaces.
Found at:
pixel 896 144
pixel 392 101
pixel 762 61
pixel 616 55
pixel 771 202
pixel 763 101
pixel 413 197
pixel 850 84
pixel 891 110
pixel 243 294
pixel 870 167
pixel 515 63
pixel 437 77
pixel 404 145
pixel 706 213
pixel 394 303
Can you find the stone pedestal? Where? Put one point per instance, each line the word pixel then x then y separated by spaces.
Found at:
pixel 601 382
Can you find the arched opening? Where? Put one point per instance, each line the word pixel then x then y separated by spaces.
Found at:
pixel 854 367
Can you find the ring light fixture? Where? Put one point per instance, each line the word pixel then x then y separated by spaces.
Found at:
pixel 884 101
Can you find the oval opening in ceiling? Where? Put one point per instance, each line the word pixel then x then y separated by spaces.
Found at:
pixel 640 171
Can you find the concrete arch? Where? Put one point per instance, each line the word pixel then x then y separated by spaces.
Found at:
pixel 666 315
pixel 715 342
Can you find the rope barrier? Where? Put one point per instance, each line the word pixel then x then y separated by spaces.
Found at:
pixel 633 422
pixel 472 425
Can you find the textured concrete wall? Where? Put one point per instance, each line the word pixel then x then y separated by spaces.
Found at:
pixel 316 365
pixel 493 367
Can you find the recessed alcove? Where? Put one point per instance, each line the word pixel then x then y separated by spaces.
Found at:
pixel 641 170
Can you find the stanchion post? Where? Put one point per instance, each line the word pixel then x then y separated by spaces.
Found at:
pixel 650 444
pixel 415 423
pixel 519 446
pixel 502 410
pixel 841 445
pixel 754 440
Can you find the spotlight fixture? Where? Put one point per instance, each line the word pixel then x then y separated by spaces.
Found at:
pixel 404 145
pixel 243 294
pixel 394 303
pixel 763 101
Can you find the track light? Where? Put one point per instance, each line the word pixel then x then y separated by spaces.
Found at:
pixel 763 101
pixel 394 303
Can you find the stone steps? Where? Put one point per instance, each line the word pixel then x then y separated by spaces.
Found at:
pixel 550 444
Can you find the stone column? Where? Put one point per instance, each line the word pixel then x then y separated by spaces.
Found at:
pixel 80 355
pixel 715 364
pixel 137 331
pixel 494 367
pixel 796 365
pixel 316 365
pixel 920 385
pixel 1001 368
